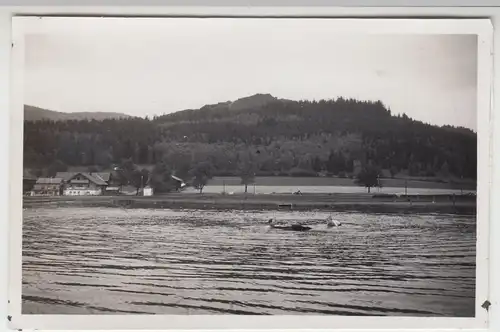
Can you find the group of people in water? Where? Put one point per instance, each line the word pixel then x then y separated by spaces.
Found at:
pixel 330 222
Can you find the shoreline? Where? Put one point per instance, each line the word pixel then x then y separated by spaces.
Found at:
pixel 423 204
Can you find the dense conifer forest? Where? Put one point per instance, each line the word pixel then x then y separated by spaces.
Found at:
pixel 261 135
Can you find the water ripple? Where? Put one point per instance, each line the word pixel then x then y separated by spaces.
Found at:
pixel 104 261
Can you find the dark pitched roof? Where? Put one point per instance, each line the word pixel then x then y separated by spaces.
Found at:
pixel 105 176
pixel 97 178
pixel 28 175
pixel 49 180
pixel 66 176
pixel 94 177
pixel 177 178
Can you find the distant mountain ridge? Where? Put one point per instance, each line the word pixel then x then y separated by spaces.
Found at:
pixel 250 104
pixel 255 101
pixel 33 113
pixel 245 103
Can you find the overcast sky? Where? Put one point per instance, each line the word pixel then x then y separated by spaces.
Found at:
pixel 162 66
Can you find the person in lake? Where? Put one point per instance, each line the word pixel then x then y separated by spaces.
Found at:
pixel 330 222
pixel 293 227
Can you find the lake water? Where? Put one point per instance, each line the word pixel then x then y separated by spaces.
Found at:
pixel 115 261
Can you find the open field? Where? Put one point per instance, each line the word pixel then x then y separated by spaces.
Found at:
pixel 400 181
pixel 332 202
pixel 428 183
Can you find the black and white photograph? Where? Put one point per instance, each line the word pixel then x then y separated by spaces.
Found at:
pixel 217 166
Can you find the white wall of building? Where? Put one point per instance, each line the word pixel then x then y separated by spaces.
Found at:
pixel 82 192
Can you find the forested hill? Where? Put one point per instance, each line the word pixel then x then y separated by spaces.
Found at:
pixel 32 113
pixel 275 136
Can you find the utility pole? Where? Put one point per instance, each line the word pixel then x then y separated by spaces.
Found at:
pixel 121 174
pixel 406 187
pixel 142 184
pixel 461 185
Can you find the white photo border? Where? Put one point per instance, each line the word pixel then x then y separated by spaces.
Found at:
pixel 481 27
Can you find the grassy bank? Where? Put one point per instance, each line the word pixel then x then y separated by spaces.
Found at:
pixel 328 202
pixel 429 183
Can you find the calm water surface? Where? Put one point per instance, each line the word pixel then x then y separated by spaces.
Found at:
pixel 98 261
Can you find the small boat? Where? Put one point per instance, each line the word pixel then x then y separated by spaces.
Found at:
pixel 293 227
